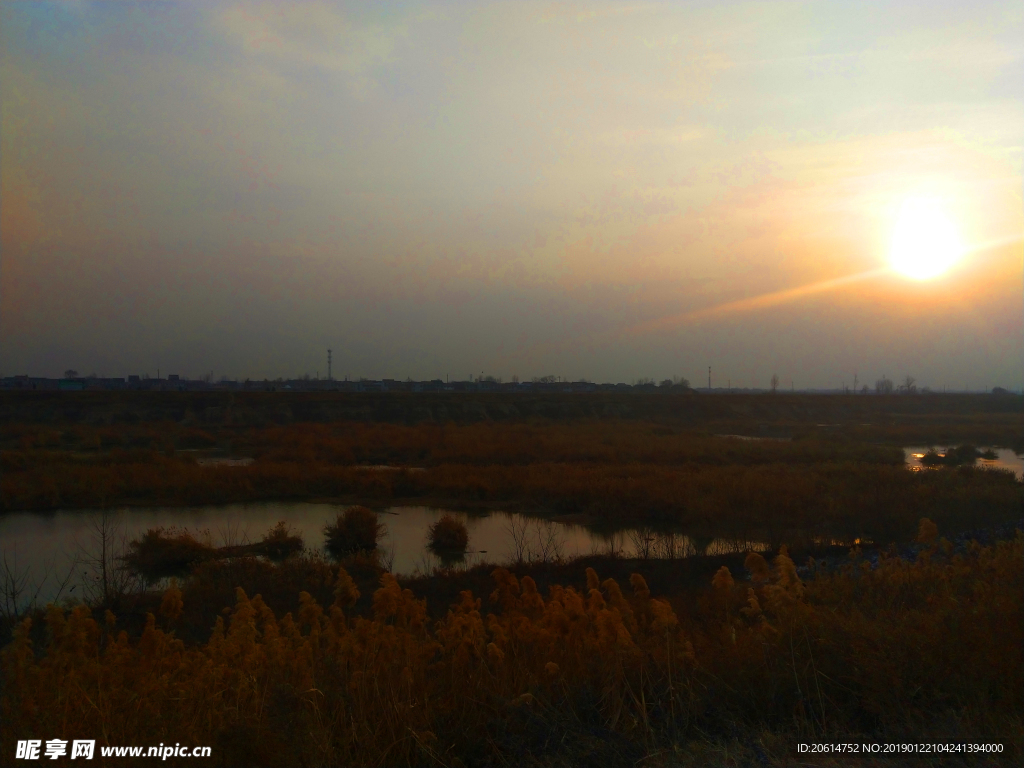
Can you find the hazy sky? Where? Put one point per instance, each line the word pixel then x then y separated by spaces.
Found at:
pixel 598 190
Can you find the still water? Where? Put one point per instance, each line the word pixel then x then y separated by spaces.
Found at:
pixel 46 549
pixel 1005 458
pixel 46 546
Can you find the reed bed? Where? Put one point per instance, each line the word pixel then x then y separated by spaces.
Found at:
pixel 772 500
pixel 595 671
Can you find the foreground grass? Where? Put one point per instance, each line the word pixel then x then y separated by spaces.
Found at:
pixel 595 672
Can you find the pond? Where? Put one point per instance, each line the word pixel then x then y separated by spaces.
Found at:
pixel 49 548
pixel 46 549
pixel 1005 458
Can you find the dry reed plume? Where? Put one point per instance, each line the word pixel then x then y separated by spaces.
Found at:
pixel 921 650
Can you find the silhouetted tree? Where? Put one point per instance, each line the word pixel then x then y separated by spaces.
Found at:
pixel 448 533
pixel 775 382
pixel 357 529
pixel 883 386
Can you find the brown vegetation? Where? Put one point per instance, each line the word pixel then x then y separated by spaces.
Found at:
pixel 734 671
pixel 909 651
pixel 823 482
pixel 160 552
pixel 357 529
pixel 448 534
pixel 773 499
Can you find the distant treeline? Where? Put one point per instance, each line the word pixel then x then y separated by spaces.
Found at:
pixel 976 418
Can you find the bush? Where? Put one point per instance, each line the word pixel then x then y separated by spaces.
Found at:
pixel 448 534
pixel 172 552
pixel 279 543
pixel 355 530
pixel 954 456
pixel 160 553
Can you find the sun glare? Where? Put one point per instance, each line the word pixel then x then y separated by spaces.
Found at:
pixel 925 242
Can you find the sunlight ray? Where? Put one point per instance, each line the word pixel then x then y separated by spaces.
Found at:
pixel 762 301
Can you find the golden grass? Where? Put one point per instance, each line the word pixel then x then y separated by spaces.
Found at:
pixel 627 473
pixel 909 649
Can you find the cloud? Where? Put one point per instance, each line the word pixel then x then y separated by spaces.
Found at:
pixel 314 35
pixel 460 177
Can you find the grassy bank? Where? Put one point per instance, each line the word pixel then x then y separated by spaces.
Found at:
pixel 731 666
pixel 617 471
pixel 773 500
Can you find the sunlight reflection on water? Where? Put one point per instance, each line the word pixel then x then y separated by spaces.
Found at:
pixel 1006 458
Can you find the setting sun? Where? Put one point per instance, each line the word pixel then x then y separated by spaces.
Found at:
pixel 925 242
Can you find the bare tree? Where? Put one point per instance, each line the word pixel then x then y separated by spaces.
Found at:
pixel 233 535
pixel 107 580
pixel 883 386
pixel 775 382
pixel 550 542
pixel 516 530
pixel 668 546
pixel 387 557
pixel 909 387
pixel 14 584
pixel 643 540
pixel 19 594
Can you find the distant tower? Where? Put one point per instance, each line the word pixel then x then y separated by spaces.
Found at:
pixel 328 365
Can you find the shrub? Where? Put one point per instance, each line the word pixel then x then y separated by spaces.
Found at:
pixel 955 456
pixel 354 530
pixel 161 553
pixel 448 534
pixel 280 542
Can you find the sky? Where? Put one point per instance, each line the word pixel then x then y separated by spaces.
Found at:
pixel 601 191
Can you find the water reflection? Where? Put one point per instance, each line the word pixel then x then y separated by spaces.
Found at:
pixel 48 544
pixel 1005 458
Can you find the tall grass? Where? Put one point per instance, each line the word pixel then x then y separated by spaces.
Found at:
pixel 910 650
pixel 762 494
